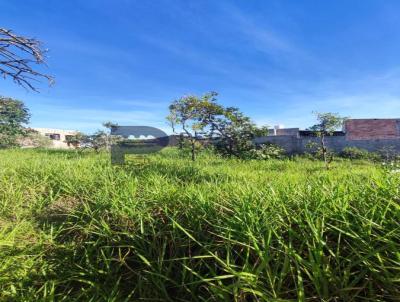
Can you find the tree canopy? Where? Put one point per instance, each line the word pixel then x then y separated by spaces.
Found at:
pixel 13 117
pixel 326 124
pixel 192 115
pixel 230 130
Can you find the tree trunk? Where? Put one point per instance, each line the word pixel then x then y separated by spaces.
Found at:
pixel 230 148
pixel 193 150
pixel 180 142
pixel 324 151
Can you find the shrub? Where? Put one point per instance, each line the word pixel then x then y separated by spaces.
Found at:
pixel 389 154
pixel 355 153
pixel 315 151
pixel 390 159
pixel 187 147
pixel 266 151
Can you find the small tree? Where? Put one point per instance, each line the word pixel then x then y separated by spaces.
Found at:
pixel 227 128
pixel 327 124
pixel 77 140
pixel 234 132
pixel 192 115
pixel 98 140
pixel 13 117
pixel 17 55
pixel 110 139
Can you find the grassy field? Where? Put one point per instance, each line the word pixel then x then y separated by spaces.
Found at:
pixel 73 227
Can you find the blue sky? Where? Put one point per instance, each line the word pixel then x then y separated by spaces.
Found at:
pixel 125 61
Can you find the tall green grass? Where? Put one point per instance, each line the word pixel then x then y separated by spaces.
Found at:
pixel 75 228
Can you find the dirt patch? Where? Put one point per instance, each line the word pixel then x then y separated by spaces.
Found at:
pixel 59 210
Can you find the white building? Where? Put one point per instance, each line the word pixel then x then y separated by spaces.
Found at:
pixel 57 136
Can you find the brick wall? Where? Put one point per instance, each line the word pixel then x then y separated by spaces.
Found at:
pixel 364 129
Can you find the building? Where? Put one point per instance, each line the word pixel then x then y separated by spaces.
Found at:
pixel 368 134
pixel 57 136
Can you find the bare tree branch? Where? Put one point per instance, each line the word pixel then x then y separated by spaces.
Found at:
pixel 17 54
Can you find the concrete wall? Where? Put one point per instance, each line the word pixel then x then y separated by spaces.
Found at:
pixel 288 131
pixel 57 143
pixel 293 144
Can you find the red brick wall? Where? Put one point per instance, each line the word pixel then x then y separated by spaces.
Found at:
pixel 360 129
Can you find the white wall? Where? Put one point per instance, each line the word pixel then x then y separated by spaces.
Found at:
pixel 58 144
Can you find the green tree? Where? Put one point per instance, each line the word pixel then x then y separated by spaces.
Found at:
pixel 234 132
pixel 109 125
pixel 13 118
pixel 230 131
pixel 191 116
pixel 76 140
pixel 327 124
pixel 110 139
pixel 98 140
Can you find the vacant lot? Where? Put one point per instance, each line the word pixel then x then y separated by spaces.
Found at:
pixel 73 227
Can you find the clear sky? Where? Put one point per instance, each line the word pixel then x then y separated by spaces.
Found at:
pixel 125 61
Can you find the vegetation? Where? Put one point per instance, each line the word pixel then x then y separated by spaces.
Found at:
pixel 96 141
pixel 359 153
pixel 17 55
pixel 33 139
pixel 73 227
pixel 327 124
pixel 13 117
pixel 234 133
pixel 229 130
pixel 266 151
pixel 99 140
pixel 75 140
pixel 192 114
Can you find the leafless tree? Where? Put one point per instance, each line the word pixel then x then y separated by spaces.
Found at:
pixel 17 55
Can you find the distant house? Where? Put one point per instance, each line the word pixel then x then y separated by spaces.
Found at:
pixel 58 137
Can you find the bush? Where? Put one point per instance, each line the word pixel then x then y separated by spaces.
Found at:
pixel 355 153
pixel 359 153
pixel 266 151
pixel 389 154
pixel 315 151
pixel 390 159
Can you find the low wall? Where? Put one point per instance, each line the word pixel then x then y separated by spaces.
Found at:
pixel 294 144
